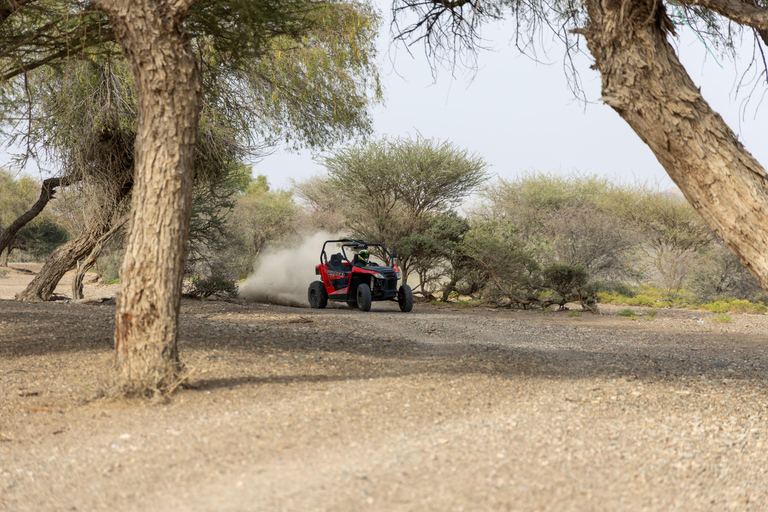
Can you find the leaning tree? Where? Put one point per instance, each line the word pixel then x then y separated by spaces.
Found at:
pixel 645 83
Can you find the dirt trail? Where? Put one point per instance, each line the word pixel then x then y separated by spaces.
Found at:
pixel 440 409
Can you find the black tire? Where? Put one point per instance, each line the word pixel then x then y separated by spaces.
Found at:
pixel 363 297
pixel 317 296
pixel 405 298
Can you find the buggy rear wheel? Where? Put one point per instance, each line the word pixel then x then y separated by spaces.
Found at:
pixel 317 296
pixel 405 298
pixel 364 297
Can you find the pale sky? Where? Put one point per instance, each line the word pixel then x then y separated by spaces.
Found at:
pixel 521 116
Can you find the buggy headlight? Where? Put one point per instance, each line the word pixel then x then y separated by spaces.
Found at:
pixel 398 275
pixel 377 275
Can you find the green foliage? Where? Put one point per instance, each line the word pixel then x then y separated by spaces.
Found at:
pixel 574 313
pixel 730 305
pixel 215 284
pixel 40 237
pixel 16 196
pixel 627 313
pixel 641 300
pixel 651 314
pixel 723 319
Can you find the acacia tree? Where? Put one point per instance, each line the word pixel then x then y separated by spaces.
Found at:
pixel 390 189
pixel 645 83
pixel 154 37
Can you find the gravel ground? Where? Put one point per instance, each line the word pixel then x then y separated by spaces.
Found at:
pixel 442 409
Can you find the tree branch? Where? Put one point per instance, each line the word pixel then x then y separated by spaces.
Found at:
pixel 47 191
pixel 741 12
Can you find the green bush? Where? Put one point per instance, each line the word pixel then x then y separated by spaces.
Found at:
pixel 574 313
pixel 734 306
pixel 651 314
pixel 641 300
pixel 627 312
pixel 722 319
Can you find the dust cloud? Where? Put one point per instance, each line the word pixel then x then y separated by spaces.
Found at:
pixel 282 275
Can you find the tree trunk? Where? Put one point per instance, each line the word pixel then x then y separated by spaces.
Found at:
pixel 82 268
pixel 644 82
pixel 7 253
pixel 168 87
pixel 47 191
pixel 62 260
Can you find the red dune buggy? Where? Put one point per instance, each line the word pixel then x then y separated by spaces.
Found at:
pixel 360 283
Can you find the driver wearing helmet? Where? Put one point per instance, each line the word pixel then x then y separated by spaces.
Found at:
pixel 362 258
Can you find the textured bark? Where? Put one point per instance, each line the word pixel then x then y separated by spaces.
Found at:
pixel 168 86
pixel 47 192
pixel 644 82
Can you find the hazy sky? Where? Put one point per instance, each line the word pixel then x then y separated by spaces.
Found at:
pixel 520 115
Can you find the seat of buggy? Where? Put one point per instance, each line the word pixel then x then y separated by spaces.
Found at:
pixel 336 263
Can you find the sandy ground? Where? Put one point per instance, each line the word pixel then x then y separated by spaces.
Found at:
pixel 442 409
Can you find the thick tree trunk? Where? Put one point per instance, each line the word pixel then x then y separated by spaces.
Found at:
pixel 644 82
pixel 168 85
pixel 47 191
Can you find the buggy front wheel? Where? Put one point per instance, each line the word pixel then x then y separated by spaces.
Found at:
pixel 364 297
pixel 317 296
pixel 405 298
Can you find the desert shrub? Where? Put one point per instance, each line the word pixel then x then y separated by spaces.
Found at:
pixel 731 305
pixel 720 274
pixel 207 286
pixel 566 280
pixel 510 271
pixel 722 319
pixel 627 313
pixel 651 314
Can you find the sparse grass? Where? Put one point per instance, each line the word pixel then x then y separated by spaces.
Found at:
pixel 723 319
pixel 651 314
pixel 574 313
pixel 458 303
pixel 627 313
pixel 4 272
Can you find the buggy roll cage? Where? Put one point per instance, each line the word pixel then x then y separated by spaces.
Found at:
pixel 356 245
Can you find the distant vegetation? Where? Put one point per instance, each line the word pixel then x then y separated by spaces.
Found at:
pixel 538 240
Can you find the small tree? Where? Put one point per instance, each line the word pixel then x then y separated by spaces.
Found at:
pixel 390 189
